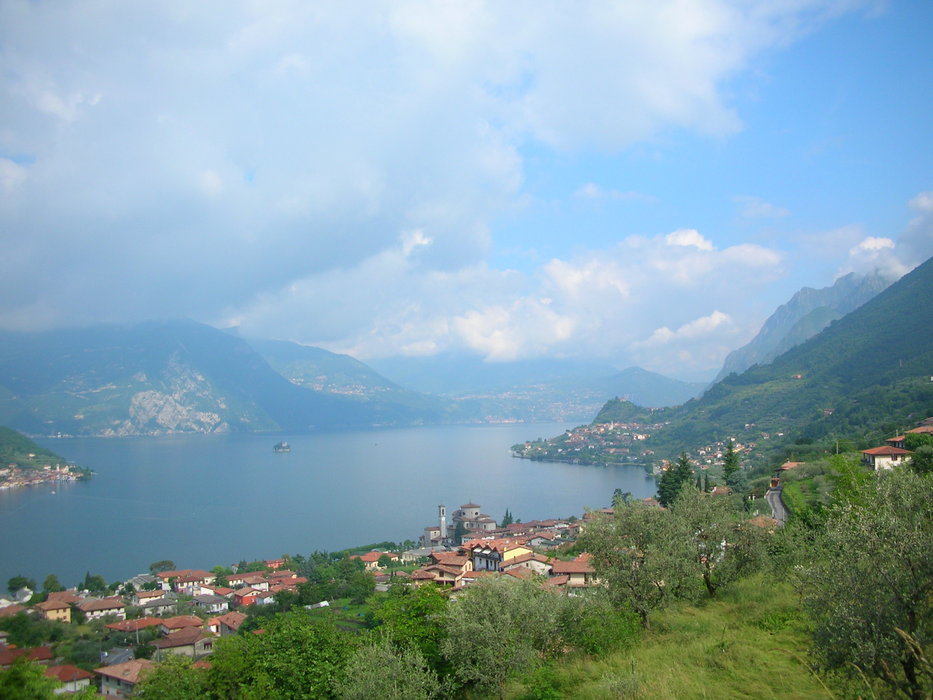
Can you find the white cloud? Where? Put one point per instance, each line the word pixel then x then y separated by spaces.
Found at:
pixel 11 175
pixel 922 202
pixel 688 237
pixel 331 172
pixel 592 191
pixel 695 329
pixel 757 208
pixel 872 244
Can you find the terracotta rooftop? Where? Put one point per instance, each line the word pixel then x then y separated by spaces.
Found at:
pixel 66 673
pixel 233 620
pixel 133 625
pixel 8 656
pixel 128 671
pixel 180 621
pixel 181 638
pixel 886 450
pixel 97 605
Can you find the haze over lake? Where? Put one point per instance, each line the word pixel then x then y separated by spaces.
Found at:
pixel 208 500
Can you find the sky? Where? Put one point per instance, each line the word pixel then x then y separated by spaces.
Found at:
pixel 641 183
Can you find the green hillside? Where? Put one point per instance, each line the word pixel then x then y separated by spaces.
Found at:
pixel 867 374
pixel 16 448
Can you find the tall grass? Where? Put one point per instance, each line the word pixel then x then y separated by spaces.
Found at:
pixel 750 643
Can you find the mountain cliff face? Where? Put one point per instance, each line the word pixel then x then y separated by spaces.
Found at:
pixel 158 378
pixel 807 313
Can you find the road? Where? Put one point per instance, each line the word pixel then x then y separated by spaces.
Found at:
pixel 778 509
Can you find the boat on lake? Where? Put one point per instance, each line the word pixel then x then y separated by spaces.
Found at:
pixel 281 447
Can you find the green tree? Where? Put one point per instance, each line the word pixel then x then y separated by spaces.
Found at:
pixel 593 625
pixel 459 532
pixel 299 655
pixel 721 546
pixel 870 591
pixel 640 557
pixel 497 627
pixel 174 679
pixel 94 584
pixel 730 461
pixel 381 670
pixel 52 584
pixel 620 498
pixel 922 460
pixel 19 581
pixel 507 519
pixel 414 616
pixel 158 567
pixel 26 680
pixel 673 479
pixel 384 561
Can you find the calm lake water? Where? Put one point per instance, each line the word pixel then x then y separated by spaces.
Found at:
pixel 208 500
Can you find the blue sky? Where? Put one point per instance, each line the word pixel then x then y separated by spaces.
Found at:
pixel 640 183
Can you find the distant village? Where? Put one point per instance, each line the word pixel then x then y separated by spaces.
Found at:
pixel 15 476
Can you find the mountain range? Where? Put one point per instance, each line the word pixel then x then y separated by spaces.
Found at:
pixel 181 376
pixel 807 313
pixel 869 373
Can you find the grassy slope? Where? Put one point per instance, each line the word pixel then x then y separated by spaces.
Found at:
pixel 750 643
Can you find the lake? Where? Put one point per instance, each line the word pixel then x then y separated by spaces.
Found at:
pixel 207 500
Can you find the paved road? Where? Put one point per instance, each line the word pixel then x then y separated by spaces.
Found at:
pixel 778 509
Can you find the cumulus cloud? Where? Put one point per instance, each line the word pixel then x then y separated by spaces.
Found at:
pixel 331 172
pixel 599 303
pixel 688 237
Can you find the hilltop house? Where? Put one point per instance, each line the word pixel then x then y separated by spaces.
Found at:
pixel 884 457
pixel 490 555
pixel 54 610
pixel 94 608
pixel 119 680
pixel 72 678
pixel 193 642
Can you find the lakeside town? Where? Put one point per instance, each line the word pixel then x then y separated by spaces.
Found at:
pixel 182 611
pixel 16 476
pixel 129 627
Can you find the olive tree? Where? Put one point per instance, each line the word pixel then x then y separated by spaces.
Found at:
pixel 870 591
pixel 720 544
pixel 638 554
pixel 499 626
pixel 381 670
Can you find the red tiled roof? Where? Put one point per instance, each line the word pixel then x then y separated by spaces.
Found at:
pixel 180 621
pixel 66 673
pixel 98 605
pixel 11 610
pixel 502 544
pixel 233 620
pixel 133 625
pixel 580 565
pixel 128 671
pixel 886 450
pixel 166 575
pixel 7 655
pixel 181 638
pixel 52 605
pixel 64 597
